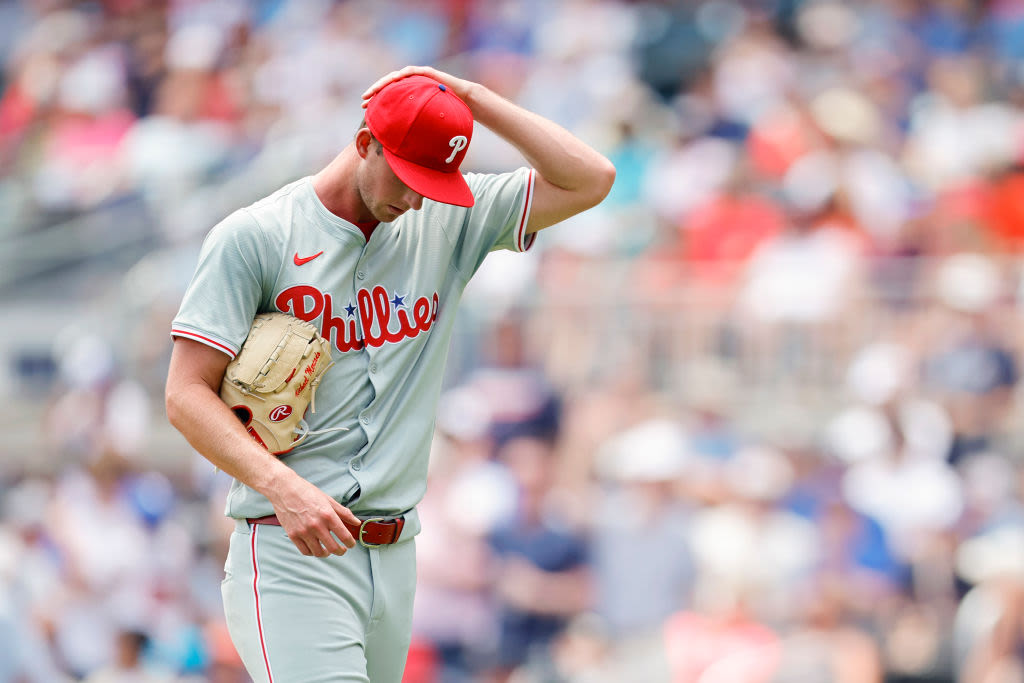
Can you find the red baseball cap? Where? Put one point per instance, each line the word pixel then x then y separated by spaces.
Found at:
pixel 425 131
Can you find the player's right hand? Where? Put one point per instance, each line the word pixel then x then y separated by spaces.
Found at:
pixel 313 520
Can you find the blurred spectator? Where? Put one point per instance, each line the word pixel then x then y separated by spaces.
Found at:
pixel 541 574
pixel 747 544
pixel 972 366
pixel 79 166
pixel 721 642
pixel 990 619
pixel 711 388
pixel 727 228
pixel 468 497
pixel 511 387
pixel 642 562
pixel 129 663
pixel 912 493
pixel 1006 209
pixel 955 135
pixel 800 281
pixel 828 642
pixel 30 578
pixel 989 626
pixel 857 567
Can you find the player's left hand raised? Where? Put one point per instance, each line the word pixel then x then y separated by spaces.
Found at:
pixel 459 86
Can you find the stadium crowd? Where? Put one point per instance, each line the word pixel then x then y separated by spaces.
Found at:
pixel 755 418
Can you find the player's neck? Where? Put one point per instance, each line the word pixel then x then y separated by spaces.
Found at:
pixel 335 187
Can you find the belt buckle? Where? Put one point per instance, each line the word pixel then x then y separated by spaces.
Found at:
pixel 362 530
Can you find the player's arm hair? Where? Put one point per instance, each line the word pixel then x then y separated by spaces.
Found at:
pixel 194 408
pixel 571 176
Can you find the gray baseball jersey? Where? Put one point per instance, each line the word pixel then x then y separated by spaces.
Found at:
pixel 388 307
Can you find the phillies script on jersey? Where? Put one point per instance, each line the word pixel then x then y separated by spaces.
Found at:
pixel 374 307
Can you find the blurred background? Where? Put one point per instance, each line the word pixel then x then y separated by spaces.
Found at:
pixel 756 418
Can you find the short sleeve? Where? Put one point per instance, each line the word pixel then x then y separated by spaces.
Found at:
pixel 497 219
pixel 226 290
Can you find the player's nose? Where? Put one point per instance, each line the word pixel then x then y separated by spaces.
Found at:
pixel 413 199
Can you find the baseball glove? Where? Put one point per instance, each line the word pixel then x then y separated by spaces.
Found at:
pixel 274 378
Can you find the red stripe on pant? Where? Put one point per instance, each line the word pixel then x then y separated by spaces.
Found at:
pixel 256 593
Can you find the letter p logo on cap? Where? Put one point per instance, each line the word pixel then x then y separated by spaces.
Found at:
pixel 457 143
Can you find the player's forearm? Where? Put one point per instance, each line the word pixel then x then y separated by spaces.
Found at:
pixel 214 431
pixel 556 154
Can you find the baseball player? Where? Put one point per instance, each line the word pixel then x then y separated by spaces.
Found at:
pixel 375 251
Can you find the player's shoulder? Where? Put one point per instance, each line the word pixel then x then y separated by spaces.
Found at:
pixel 238 223
pixel 258 220
pixel 278 200
pixel 480 182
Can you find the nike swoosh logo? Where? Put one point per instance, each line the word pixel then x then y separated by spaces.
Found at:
pixel 302 261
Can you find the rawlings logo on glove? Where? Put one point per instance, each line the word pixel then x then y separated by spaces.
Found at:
pixel 274 378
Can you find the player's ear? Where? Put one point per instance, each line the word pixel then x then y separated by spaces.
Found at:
pixel 364 140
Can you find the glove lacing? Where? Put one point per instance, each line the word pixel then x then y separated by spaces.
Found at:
pixel 303 429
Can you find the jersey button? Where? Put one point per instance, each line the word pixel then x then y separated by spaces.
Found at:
pixel 365 419
pixel 361 274
pixel 373 367
pixel 355 466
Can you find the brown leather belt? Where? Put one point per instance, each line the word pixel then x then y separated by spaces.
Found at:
pixel 373 532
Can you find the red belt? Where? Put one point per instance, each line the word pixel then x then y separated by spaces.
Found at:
pixel 373 532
